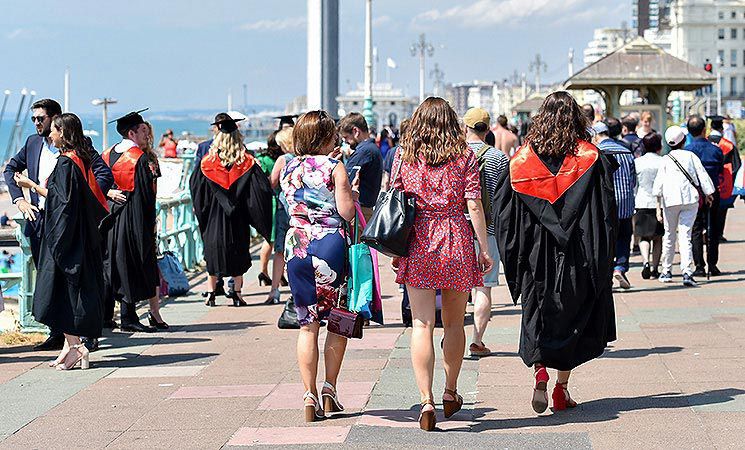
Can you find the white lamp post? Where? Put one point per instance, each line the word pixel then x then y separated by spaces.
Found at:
pixel 105 102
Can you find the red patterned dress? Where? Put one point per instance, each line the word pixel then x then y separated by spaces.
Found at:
pixel 441 249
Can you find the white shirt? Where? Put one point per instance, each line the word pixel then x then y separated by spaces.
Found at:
pixel 646 171
pixel 47 163
pixel 673 185
pixel 124 145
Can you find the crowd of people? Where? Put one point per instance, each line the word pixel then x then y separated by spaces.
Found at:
pixel 560 207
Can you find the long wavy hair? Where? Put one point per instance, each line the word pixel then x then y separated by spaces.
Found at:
pixel 434 134
pixel 558 126
pixel 229 147
pixel 72 137
pixel 149 147
pixel 273 149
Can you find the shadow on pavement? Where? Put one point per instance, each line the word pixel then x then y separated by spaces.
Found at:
pixel 640 352
pixel 606 409
pixel 211 327
pixel 138 360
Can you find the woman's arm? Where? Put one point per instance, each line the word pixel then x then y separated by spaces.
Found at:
pixel 25 182
pixel 344 193
pixel 274 176
pixel 479 225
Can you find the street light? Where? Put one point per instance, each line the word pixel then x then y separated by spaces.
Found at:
pixel 105 102
pixel 422 48
pixel 720 64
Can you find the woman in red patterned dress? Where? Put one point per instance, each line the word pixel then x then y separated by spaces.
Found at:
pixel 440 170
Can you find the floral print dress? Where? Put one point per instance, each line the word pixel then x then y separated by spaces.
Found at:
pixel 316 244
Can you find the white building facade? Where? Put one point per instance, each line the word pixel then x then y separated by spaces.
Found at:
pixel 713 31
pixel 390 105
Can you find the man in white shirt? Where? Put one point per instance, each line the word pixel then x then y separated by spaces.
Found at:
pixel 678 179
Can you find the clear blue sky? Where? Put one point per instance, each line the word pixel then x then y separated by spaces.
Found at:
pixel 186 54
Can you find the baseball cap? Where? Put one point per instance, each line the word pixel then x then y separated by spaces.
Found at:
pixel 476 115
pixel 674 135
pixel 600 128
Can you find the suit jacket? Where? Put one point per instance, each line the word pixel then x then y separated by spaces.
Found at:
pixel 202 149
pixel 28 158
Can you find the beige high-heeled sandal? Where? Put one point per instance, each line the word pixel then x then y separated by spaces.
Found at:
pixel 330 400
pixel 83 358
pixel 313 412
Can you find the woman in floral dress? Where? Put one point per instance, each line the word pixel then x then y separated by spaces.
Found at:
pixel 436 165
pixel 319 199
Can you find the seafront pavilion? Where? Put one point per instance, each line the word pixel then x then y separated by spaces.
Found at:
pixel 226 377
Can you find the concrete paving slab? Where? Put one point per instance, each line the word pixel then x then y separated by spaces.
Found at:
pixel 289 435
pixel 245 390
pixel 156 372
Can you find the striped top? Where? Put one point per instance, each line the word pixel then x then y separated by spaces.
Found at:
pixel 624 179
pixel 496 164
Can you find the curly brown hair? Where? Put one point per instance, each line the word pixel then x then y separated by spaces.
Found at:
pixel 558 126
pixel 433 134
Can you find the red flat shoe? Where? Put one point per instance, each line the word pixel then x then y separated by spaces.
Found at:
pixel 540 396
pixel 562 399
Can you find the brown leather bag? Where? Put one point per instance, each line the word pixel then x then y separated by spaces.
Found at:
pixel 345 323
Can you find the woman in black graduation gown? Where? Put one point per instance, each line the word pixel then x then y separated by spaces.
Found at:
pixel 69 284
pixel 557 220
pixel 131 265
pixel 230 194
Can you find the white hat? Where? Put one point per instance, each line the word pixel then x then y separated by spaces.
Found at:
pixel 674 135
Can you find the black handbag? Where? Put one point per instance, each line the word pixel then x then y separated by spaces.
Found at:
pixel 288 318
pixel 388 229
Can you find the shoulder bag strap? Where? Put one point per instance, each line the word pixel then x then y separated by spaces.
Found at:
pixel 685 172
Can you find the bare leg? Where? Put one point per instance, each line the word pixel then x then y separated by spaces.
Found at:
pixel 155 307
pixel 656 251
pixel 422 303
pixel 264 254
pixel 212 282
pixel 453 310
pixel 278 269
pixel 644 249
pixel 307 356
pixel 481 313
pixel 562 376
pixel 333 355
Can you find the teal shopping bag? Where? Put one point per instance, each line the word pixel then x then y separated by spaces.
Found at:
pixel 360 285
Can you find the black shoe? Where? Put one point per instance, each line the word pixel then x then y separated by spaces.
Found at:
pixel 646 271
pixel 110 324
pixel 90 343
pixel 237 300
pixel 714 271
pixel 264 279
pixel 283 281
pixel 52 343
pixel 699 272
pixel 137 327
pixel 722 239
pixel 154 323
pixel 210 299
pixel 220 287
pixel 655 273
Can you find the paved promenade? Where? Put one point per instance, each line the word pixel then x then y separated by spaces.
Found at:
pixel 227 377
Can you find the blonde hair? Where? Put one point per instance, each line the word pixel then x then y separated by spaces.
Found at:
pixel 284 139
pixel 229 147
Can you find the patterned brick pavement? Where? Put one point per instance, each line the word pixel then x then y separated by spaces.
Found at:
pixel 227 377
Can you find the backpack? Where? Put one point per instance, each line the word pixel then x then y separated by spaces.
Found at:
pixel 485 194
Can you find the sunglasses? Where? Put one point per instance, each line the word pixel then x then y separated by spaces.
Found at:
pixel 39 119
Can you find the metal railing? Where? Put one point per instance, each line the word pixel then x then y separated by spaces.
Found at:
pixel 178 232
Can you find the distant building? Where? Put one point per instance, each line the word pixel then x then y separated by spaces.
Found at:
pixel 390 105
pixel 713 31
pixel 298 105
pixel 650 15
pixel 604 41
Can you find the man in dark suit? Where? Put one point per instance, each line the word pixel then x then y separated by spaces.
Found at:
pixel 38 156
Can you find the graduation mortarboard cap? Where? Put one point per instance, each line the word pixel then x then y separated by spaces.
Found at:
pixel 225 123
pixel 288 119
pixel 717 121
pixel 128 121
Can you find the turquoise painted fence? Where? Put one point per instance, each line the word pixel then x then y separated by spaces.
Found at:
pixel 178 232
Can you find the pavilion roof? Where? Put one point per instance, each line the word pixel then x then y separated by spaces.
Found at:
pixel 637 64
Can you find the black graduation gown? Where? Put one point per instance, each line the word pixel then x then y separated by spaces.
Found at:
pixel 556 240
pixel 131 264
pixel 227 202
pixel 69 289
